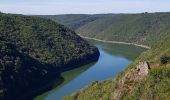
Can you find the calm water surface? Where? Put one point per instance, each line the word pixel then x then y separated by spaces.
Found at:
pixel 113 59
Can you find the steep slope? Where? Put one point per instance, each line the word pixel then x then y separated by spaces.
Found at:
pixel 70 20
pixel 75 21
pixel 148 78
pixel 35 51
pixel 19 72
pixel 144 28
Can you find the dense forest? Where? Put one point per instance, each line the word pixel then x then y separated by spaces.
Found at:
pixel 145 28
pixel 33 52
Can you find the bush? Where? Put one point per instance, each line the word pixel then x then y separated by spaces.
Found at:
pixel 164 59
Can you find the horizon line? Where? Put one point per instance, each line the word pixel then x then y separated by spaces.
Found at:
pixel 90 13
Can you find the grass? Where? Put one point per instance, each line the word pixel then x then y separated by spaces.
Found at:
pixel 155 85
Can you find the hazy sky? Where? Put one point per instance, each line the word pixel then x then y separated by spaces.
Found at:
pixel 83 6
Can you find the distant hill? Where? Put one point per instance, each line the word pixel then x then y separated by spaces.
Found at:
pixel 33 53
pixel 144 28
pixel 72 21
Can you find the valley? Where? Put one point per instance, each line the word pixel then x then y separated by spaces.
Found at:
pixel 113 59
pixel 85 56
pixel 150 30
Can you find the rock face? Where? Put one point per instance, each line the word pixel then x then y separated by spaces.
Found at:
pixel 132 77
pixel 143 69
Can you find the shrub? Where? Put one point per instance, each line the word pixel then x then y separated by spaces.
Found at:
pixel 164 59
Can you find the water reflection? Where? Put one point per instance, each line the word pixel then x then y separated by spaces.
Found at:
pixel 113 59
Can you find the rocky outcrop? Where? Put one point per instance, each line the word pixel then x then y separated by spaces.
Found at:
pixel 131 78
pixel 142 69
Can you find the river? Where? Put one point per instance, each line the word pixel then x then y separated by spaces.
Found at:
pixel 113 59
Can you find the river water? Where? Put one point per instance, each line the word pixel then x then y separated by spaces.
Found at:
pixel 113 59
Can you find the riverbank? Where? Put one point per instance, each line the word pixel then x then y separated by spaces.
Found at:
pixel 57 78
pixel 112 55
pixel 116 42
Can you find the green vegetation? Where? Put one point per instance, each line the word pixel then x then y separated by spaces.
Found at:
pixel 43 40
pixel 154 85
pixel 72 21
pixel 145 28
pixel 67 76
pixel 165 59
pixel 148 29
pixel 36 47
pixel 17 72
pixel 33 53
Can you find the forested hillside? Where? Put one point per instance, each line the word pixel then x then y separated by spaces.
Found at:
pixel 70 20
pixel 75 21
pixel 33 51
pixel 147 78
pixel 144 28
